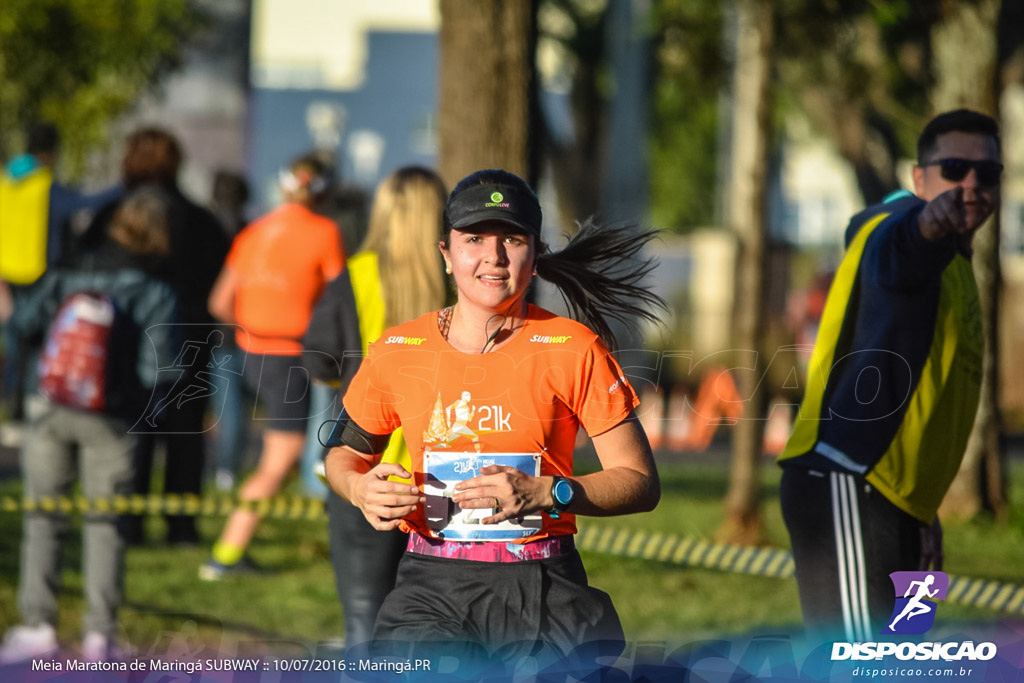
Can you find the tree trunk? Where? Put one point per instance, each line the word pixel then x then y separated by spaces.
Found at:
pixel 487 108
pixel 843 97
pixel 745 214
pixel 577 162
pixel 965 57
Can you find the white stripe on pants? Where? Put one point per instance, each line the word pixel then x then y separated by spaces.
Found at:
pixel 853 590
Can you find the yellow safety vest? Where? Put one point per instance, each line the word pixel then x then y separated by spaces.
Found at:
pixel 24 207
pixel 365 276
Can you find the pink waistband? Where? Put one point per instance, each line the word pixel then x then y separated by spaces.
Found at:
pixel 491 551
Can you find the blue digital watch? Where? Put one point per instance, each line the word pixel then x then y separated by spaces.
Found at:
pixel 562 494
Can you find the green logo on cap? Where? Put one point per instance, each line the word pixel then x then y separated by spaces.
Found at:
pixel 497 197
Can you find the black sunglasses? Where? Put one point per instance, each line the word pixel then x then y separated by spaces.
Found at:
pixel 955 170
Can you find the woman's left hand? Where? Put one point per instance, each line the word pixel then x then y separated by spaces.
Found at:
pixel 512 492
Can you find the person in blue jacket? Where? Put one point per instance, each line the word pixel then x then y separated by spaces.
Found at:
pixel 893 386
pixel 36 212
pixel 69 444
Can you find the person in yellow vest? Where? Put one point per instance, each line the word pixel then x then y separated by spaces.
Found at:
pixel 893 386
pixel 35 219
pixel 396 276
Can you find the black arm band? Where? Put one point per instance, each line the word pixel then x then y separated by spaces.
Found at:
pixel 347 433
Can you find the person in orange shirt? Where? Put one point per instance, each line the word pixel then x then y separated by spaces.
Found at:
pixel 490 560
pixel 274 275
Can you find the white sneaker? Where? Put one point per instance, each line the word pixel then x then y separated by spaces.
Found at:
pixel 97 647
pixel 28 642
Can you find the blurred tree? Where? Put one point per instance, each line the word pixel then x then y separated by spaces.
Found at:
pixel 751 36
pixel 691 74
pixel 573 43
pixel 487 104
pixel 594 77
pixel 966 63
pixel 859 70
pixel 81 63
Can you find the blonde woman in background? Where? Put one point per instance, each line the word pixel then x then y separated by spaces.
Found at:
pixel 396 276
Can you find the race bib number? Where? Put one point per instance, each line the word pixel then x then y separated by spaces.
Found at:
pixel 443 470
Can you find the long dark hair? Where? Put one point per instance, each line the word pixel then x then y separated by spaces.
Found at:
pixel 600 271
pixel 600 275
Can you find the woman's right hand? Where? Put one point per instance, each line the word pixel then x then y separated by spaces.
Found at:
pixel 384 502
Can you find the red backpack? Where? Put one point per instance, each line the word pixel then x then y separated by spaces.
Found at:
pixel 74 366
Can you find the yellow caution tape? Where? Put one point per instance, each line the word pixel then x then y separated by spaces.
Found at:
pixel 280 507
pixel 772 562
pixel 622 542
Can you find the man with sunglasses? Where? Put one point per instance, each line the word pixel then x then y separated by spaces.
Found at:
pixel 892 387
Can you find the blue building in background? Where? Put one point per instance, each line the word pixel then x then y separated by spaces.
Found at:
pixel 386 123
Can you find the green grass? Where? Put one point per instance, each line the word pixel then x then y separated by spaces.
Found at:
pixel 296 607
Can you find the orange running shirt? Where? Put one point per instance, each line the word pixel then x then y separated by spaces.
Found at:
pixel 282 261
pixel 529 396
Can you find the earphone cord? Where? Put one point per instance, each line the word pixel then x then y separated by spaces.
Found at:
pixel 494 335
pixel 504 318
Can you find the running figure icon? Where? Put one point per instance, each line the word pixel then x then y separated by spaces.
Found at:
pixel 462 412
pixel 190 384
pixel 916 605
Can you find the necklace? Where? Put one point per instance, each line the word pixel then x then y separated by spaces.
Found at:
pixel 444 321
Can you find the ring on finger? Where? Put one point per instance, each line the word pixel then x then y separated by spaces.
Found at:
pixel 497 503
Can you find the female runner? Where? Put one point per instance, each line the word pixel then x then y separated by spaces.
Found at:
pixel 491 511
